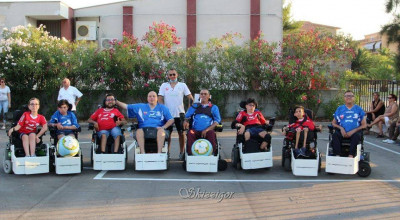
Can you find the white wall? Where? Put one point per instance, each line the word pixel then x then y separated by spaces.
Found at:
pixel 271 20
pixel 24 13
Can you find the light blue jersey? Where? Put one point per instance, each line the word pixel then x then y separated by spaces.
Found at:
pixel 147 117
pixel 349 119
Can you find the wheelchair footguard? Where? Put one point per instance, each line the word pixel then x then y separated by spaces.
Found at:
pixel 248 161
pixel 346 165
pixel 26 165
pixel 66 165
pixel 305 167
pixel 151 161
pixel 204 164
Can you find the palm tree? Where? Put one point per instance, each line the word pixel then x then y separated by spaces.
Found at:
pixel 391 4
pixel 392 29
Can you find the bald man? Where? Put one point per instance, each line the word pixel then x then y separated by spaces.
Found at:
pixel 150 116
pixel 69 93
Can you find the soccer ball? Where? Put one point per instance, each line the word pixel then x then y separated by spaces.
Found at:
pixel 67 146
pixel 202 147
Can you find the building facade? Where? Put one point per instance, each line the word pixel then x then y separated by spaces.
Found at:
pixel 195 20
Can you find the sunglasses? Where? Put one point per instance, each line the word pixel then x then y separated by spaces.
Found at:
pixel 110 100
pixel 173 74
pixel 389 97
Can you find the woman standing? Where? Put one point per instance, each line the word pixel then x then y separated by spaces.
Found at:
pixel 5 100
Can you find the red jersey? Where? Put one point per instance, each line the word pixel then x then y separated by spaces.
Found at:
pixel 302 123
pixel 256 118
pixel 105 118
pixel 29 123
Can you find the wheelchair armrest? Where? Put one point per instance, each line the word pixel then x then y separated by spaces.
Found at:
pixel 219 128
pixel 267 127
pixel 272 121
pixel 91 126
pixel 78 130
pixel 317 129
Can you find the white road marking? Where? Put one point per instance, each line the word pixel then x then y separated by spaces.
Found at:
pixel 100 175
pixel 383 148
pixel 244 181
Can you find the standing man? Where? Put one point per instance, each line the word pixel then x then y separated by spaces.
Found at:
pixel 348 122
pixel 171 94
pixel 70 93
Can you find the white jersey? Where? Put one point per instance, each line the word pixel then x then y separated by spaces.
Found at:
pixel 70 94
pixel 173 97
pixel 4 92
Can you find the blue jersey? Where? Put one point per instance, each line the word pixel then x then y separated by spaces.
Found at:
pixel 349 119
pixel 65 120
pixel 202 121
pixel 147 117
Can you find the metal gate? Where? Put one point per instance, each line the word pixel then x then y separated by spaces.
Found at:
pixel 364 89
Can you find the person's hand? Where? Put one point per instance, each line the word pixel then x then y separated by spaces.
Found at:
pixel 203 133
pixel 37 139
pixel 343 132
pixel 298 129
pixel 241 129
pixel 350 133
pixel 96 126
pixel 186 125
pixel 118 122
pixel 59 126
pixel 158 128
pixel 10 131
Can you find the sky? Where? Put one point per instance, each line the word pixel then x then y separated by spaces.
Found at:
pixel 354 17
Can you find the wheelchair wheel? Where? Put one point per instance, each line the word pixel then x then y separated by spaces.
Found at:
pixel 364 169
pixel 81 162
pixel 287 165
pixel 52 165
pixel 7 166
pixel 283 156
pixel 222 165
pixel 319 163
pixel 91 156
pixel 235 156
pixel 184 165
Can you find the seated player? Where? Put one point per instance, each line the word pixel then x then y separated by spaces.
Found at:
pixel 64 120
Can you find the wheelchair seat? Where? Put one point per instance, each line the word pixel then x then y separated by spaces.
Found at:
pixel 109 144
pixel 19 148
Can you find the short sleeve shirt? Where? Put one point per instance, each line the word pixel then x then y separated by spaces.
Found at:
pixel 70 94
pixel 257 118
pixel 105 118
pixel 147 117
pixel 4 92
pixel 29 123
pixel 66 120
pixel 173 97
pixel 349 119
pixel 203 121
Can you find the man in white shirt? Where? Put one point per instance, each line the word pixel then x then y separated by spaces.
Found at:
pixel 70 93
pixel 171 95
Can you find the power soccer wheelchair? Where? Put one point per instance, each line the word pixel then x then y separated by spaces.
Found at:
pixel 211 163
pixel 108 160
pixel 14 160
pixel 64 165
pixel 151 160
pixel 301 165
pixel 247 154
pixel 343 164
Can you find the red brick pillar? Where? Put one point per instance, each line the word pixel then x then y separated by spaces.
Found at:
pixel 254 18
pixel 191 24
pixel 67 26
pixel 127 23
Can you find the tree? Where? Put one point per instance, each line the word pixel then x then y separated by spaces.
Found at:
pixel 392 29
pixel 289 25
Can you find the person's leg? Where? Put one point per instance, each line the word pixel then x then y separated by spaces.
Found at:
pixel 191 138
pixel 247 135
pixel 32 143
pixel 160 139
pixel 267 140
pixel 25 144
pixel 59 136
pixel 4 110
pixel 354 140
pixel 298 132
pixel 380 125
pixel 170 129
pixel 337 142
pixel 116 134
pixel 140 139
pixel 305 131
pixel 181 141
pixel 391 130
pixel 103 135
pixel 211 137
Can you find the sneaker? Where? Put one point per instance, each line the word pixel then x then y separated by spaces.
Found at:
pixel 181 156
pixel 303 151
pixel 386 140
pixel 380 136
pixel 390 141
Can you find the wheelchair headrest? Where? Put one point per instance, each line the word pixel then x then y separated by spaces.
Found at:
pixel 242 104
pixel 293 119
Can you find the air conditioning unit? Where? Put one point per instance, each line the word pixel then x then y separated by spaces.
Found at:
pixel 105 43
pixel 86 30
